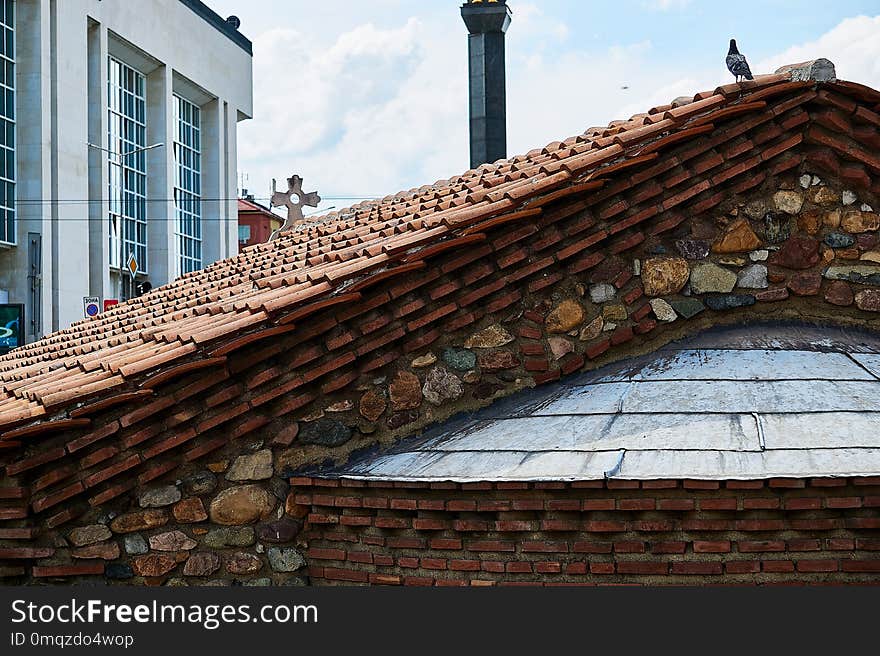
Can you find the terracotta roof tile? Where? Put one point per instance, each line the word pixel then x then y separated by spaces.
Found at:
pixel 318 263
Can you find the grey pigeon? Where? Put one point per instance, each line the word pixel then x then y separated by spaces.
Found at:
pixel 737 64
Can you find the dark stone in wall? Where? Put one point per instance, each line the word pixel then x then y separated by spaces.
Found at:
pixel 730 301
pixel 325 432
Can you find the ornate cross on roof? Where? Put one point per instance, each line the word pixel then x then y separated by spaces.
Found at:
pixel 294 200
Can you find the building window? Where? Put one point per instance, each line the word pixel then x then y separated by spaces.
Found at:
pixel 244 234
pixel 127 164
pixel 7 121
pixel 188 184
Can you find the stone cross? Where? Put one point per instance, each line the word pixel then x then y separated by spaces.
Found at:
pixel 294 200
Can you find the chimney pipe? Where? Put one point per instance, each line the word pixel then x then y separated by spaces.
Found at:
pixel 487 21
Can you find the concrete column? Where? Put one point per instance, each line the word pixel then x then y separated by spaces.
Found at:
pixel 70 159
pixel 230 215
pixel 99 206
pixel 214 182
pixel 162 264
pixel 34 170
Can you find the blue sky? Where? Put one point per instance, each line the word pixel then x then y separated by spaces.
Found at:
pixel 367 98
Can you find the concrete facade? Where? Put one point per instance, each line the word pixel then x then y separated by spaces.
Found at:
pixel 62 250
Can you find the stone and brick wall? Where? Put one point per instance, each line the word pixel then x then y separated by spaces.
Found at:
pixel 767 212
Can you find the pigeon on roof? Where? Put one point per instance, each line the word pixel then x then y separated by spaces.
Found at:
pixel 737 64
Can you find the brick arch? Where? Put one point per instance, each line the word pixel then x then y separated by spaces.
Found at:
pixel 319 379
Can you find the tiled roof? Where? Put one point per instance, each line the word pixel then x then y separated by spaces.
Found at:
pixel 128 350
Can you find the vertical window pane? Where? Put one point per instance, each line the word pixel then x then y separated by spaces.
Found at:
pixel 7 121
pixel 126 132
pixel 187 183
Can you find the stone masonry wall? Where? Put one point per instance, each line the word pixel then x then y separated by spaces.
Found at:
pixel 185 478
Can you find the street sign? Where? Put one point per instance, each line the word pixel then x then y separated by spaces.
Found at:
pixel 110 302
pixel 91 306
pixel 132 265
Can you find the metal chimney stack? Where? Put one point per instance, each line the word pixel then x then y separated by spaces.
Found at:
pixel 487 21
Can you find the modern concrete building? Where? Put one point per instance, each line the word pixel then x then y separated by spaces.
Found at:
pixel 118 130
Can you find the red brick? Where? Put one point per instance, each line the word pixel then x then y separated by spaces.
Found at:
pixel 760 503
pixel 591 547
pixel 636 504
pixel 464 565
pixel 543 546
pixel 759 525
pixel 777 566
pixel 804 545
pixel 641 567
pixel 470 525
pixel 817 565
pixel 872 566
pixel 843 502
pixel 675 504
pixel 605 526
pixel 81 569
pixel 669 547
pixel 718 504
pixel 803 503
pixel 629 546
pixel 326 554
pixel 337 574
pixel 548 568
pixel 696 567
pixel 750 546
pixel 711 546
pixel 598 504
pixel 491 545
pixel 604 568
pixel 840 544
pixel 742 567
pixel 520 567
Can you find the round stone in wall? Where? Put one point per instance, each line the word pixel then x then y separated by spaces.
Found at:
pixel 372 405
pixel 663 310
pixel 139 521
pixel 159 497
pixel 738 237
pixel 325 432
pixel 135 544
pixel 491 337
pixel 202 564
pixel 566 316
pixel 789 202
pixel 153 564
pixel 868 300
pixel 664 275
pixel 441 386
pixel 84 535
pixel 243 563
pixel 710 278
pixel 459 359
pixel 405 391
pixel 172 541
pixel 753 277
pixel 244 504
pixel 285 559
pixel 251 467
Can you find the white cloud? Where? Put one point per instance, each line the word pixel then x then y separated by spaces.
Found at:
pixel 667 5
pixel 384 109
pixel 853 46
